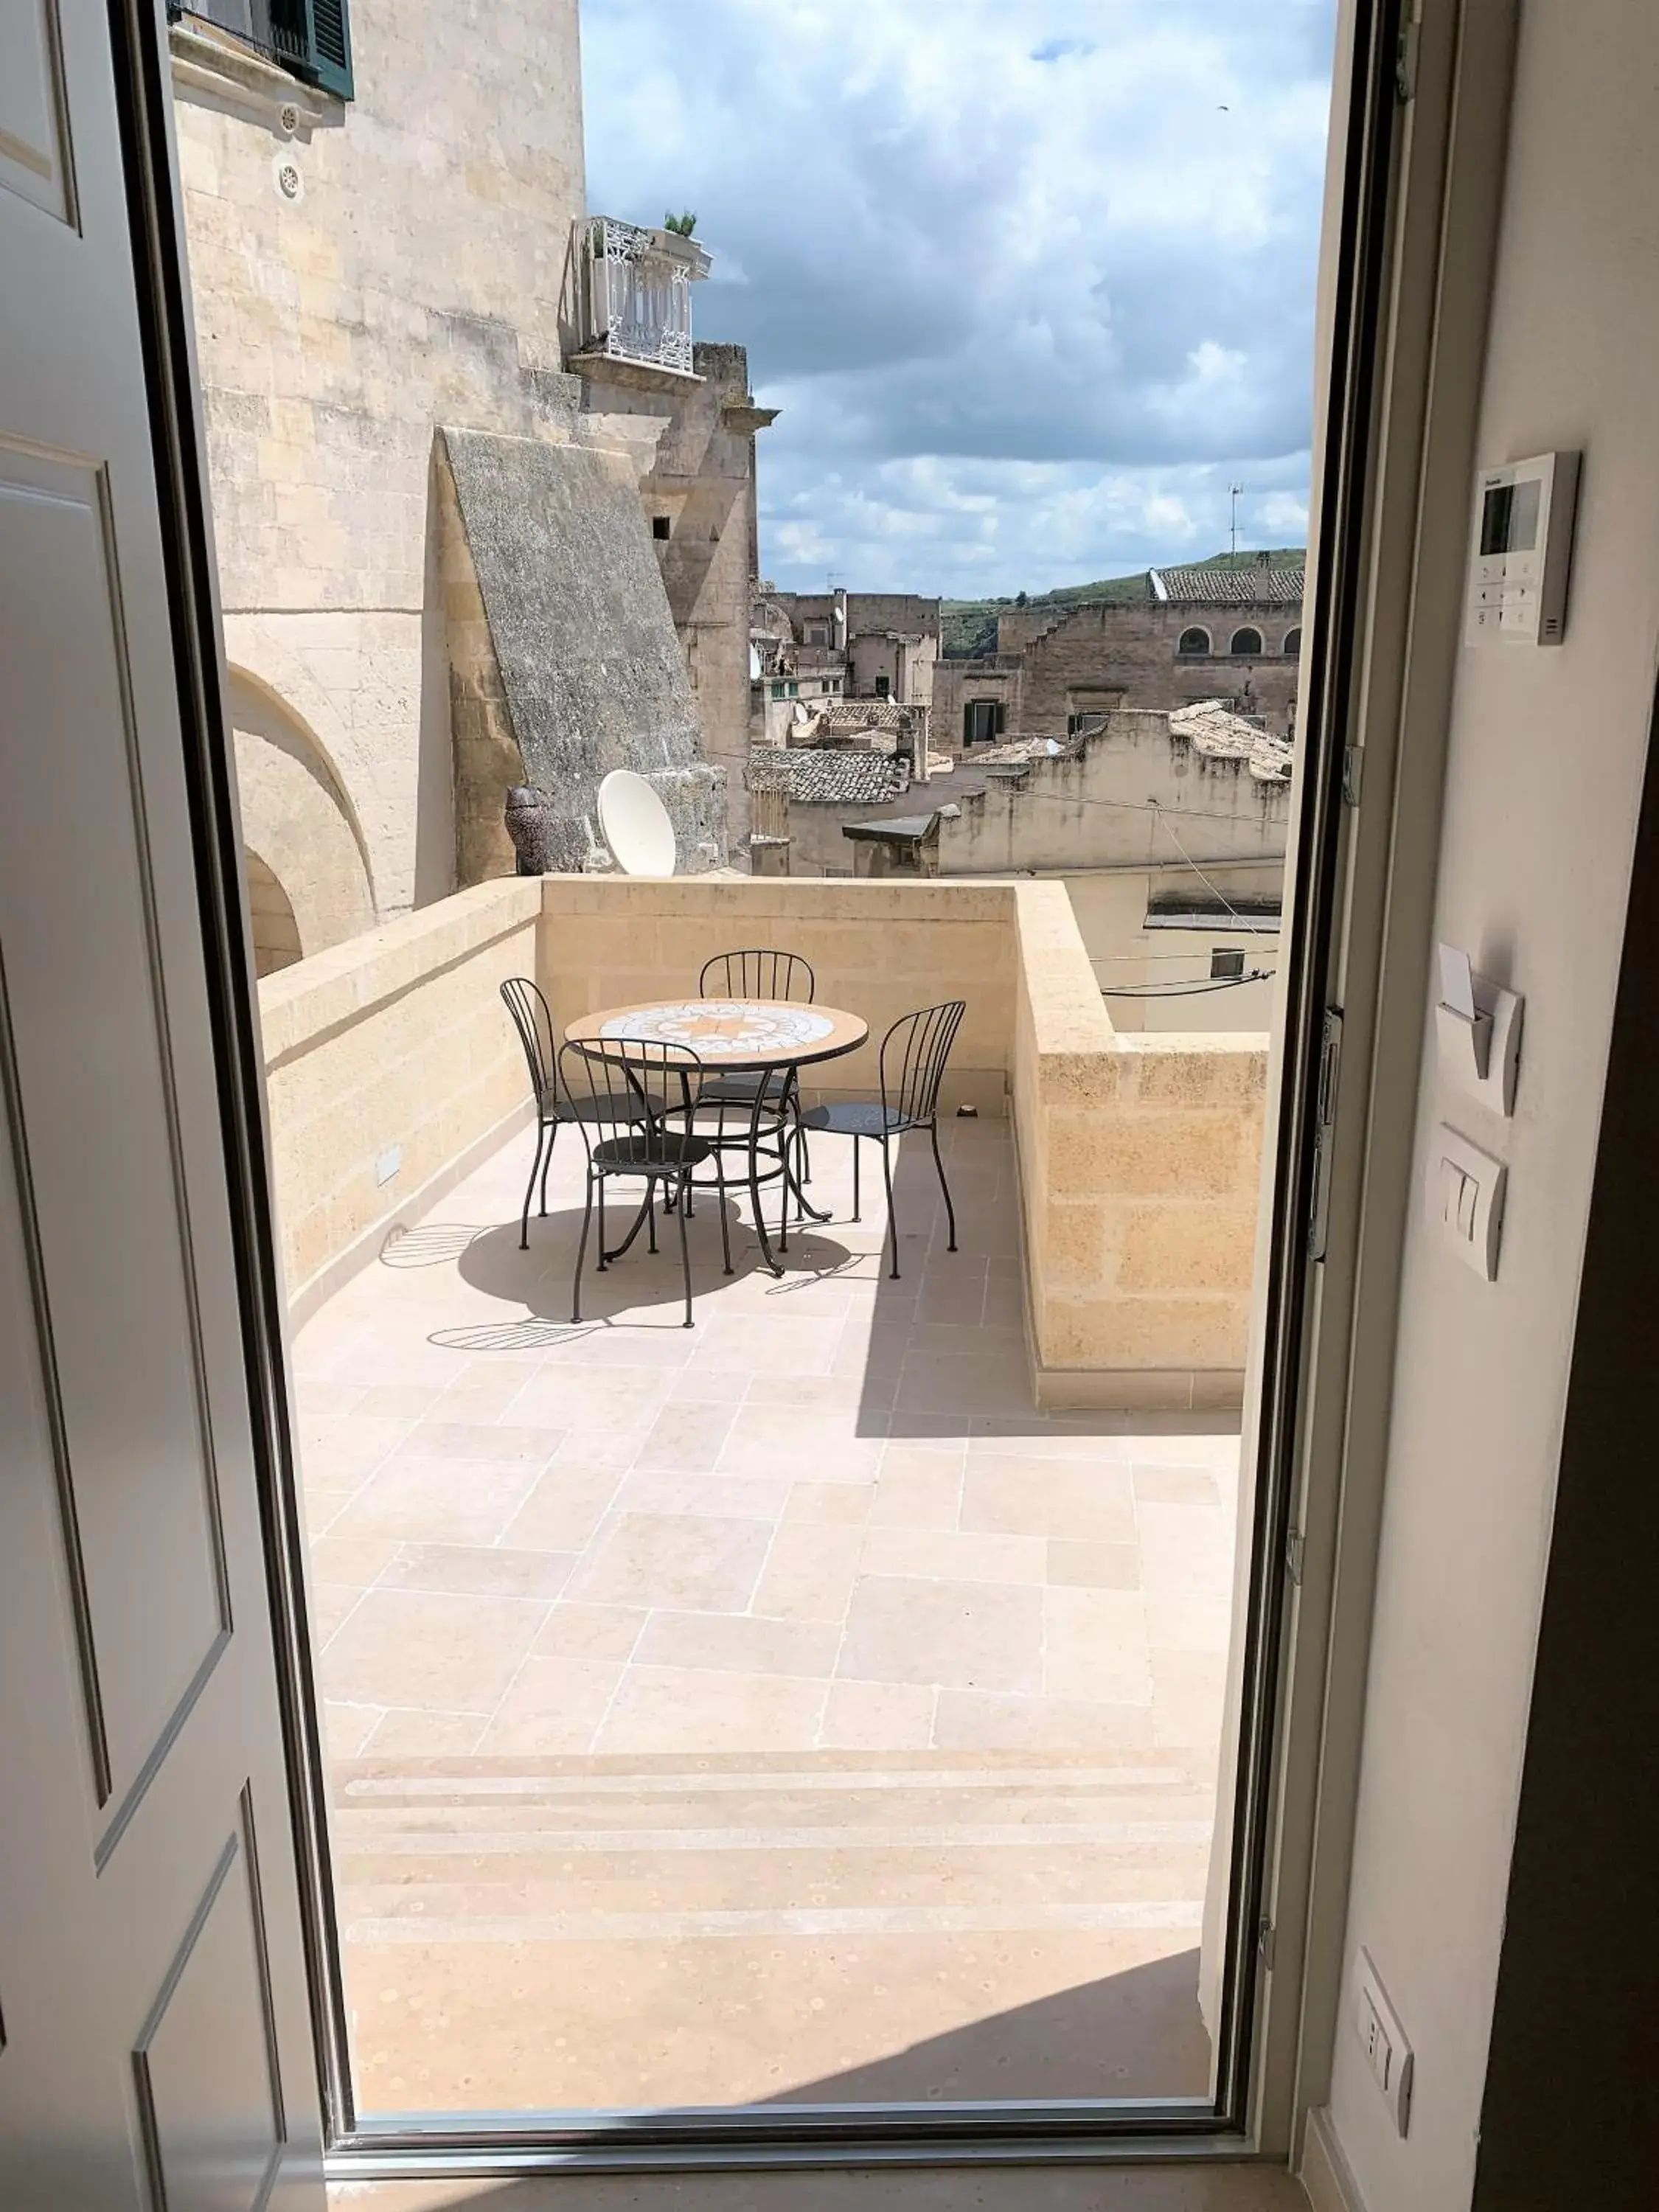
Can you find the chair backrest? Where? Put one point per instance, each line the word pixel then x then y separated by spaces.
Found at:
pixel 913 1056
pixel 757 974
pixel 624 1087
pixel 535 1026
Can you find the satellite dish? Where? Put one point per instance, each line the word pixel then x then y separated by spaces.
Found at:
pixel 636 826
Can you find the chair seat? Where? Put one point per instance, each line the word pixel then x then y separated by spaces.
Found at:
pixel 743 1090
pixel 618 1107
pixel 855 1117
pixel 666 1152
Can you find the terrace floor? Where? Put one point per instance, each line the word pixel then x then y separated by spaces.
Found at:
pixel 779 1709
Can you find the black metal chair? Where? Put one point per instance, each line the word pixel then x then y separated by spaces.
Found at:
pixel 534 1024
pixel 758 972
pixel 622 1093
pixel 914 1052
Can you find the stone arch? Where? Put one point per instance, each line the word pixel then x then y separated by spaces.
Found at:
pixel 308 879
pixel 1246 640
pixel 1292 643
pixel 275 932
pixel 1192 642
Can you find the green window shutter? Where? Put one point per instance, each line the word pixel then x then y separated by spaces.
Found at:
pixel 314 37
pixel 330 44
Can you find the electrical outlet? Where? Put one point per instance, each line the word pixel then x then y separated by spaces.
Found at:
pixel 1383 2041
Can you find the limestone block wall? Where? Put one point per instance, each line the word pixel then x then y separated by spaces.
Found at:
pixel 1096 658
pixel 1140 1163
pixel 879 949
pixel 391 1057
pixel 412 281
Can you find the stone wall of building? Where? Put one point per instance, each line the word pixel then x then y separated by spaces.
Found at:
pixel 362 273
pixel 695 445
pixel 1049 666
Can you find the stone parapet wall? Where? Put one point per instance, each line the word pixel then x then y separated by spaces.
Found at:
pixel 878 949
pixel 395 1043
pixel 1140 1161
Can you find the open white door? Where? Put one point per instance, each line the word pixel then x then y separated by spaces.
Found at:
pixel 154 2032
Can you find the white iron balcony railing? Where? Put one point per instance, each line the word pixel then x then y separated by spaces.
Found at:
pixel 634 292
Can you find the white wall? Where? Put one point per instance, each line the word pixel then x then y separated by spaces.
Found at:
pixel 1546 754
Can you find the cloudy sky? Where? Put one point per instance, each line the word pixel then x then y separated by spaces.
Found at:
pixel 1031 280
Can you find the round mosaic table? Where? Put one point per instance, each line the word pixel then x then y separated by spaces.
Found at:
pixel 736 1036
pixel 731 1036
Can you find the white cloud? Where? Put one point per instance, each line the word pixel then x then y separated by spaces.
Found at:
pixel 1030 277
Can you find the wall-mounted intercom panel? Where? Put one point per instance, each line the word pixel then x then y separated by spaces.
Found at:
pixel 1521 551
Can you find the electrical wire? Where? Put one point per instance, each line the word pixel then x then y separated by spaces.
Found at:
pixel 1157 813
pixel 1188 990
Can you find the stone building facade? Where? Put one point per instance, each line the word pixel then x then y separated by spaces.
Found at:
pixel 366 274
pixel 856 645
pixel 1233 633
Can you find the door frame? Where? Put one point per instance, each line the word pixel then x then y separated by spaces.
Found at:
pixel 1400 354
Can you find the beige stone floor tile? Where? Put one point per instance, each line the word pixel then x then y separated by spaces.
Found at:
pixel 1157 1484
pixel 482 1391
pixel 428 1649
pixel 481 1442
pixel 1185 1547
pixel 686 1437
pixel 970 1635
pixel 809 1572
pixel 1094 1566
pixel 1188 1621
pixel 696 1562
pixel 959 1383
pixel 970 1720
pixel 1011 1494
pixel 358 1559
pixel 553 1704
pixel 955 1555
pixel 405 1401
pixel 345 1451
pixel 697 1385
pixel 663 1709
pixel 798 1442
pixel 1094 1647
pixel 437 1501
pixel 763 1343
pixel 347 1727
pixel 563 1510
pixel 739 1644
pixel 1100 1442
pixel 846 1502
pixel 813 1394
pixel 616 1449
pixel 412 1733
pixel 1189 1694
pixel 919 1486
pixel 590 1394
pixel 479 1571
pixel 752 1498
pixel 878 1717
pixel 574 1631
pixel 330 1604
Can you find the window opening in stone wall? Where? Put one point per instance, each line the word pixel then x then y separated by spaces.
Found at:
pixel 1193 640
pixel 1245 641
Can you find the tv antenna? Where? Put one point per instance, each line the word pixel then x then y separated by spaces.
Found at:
pixel 1235 492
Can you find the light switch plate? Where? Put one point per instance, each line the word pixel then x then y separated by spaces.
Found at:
pixel 1383 2041
pixel 1500 1012
pixel 1465 1190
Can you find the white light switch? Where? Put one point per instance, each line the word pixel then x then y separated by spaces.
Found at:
pixel 1466 1193
pixel 1383 2041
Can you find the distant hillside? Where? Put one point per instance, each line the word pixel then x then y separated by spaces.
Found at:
pixel 970 626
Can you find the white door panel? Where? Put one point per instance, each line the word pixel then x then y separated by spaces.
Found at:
pixel 154 2045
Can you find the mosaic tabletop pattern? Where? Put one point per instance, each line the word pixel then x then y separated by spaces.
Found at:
pixel 769 1031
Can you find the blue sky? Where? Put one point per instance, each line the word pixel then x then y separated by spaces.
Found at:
pixel 1032 280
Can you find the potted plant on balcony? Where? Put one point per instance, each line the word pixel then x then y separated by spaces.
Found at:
pixel 675 242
